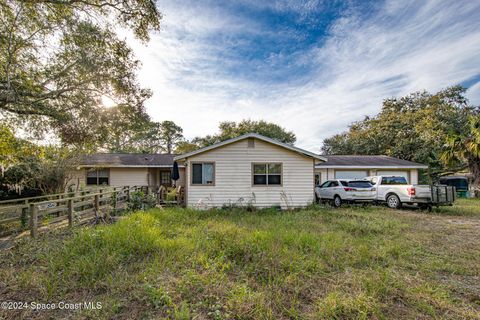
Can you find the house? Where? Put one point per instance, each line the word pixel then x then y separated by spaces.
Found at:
pixel 126 169
pixel 357 166
pixel 249 169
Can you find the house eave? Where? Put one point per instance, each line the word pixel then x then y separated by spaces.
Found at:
pixel 125 166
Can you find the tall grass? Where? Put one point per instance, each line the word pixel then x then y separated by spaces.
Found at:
pixel 318 263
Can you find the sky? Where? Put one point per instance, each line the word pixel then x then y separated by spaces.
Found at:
pixel 312 67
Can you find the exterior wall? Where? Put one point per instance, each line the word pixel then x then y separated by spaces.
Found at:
pixel 414 176
pixel 233 177
pixel 153 178
pixel 129 176
pixel 330 174
pixel 181 180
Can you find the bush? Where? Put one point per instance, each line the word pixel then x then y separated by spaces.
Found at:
pixel 141 201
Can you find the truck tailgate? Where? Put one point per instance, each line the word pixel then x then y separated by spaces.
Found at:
pixel 423 192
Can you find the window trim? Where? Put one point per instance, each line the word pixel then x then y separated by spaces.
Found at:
pixel 214 178
pixel 266 174
pixel 96 169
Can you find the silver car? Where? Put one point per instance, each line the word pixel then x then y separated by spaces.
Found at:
pixel 341 190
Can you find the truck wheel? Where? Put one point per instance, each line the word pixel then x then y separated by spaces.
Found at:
pixel 393 202
pixel 337 201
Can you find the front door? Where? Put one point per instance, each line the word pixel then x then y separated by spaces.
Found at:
pixel 165 178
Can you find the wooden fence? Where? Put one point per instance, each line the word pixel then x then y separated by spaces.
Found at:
pixel 44 212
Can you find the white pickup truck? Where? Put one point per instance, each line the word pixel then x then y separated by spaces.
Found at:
pixel 395 191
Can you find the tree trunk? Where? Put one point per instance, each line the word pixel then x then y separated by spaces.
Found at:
pixel 474 166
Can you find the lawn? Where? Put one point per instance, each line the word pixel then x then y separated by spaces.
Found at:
pixel 316 263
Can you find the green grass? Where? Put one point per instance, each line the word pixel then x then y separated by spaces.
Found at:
pixel 317 263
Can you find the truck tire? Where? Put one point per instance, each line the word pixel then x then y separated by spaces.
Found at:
pixel 337 202
pixel 393 201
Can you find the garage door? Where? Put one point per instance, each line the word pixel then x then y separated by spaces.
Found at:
pixel 350 174
pixel 394 173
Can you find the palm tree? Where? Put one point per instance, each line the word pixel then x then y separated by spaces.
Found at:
pixel 464 149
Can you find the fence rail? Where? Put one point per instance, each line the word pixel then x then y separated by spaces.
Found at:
pixel 38 213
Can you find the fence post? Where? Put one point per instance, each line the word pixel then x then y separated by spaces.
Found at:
pixel 70 213
pixel 114 205
pixel 83 199
pixel 33 220
pixel 96 203
pixel 128 193
pixel 24 217
pixel 101 193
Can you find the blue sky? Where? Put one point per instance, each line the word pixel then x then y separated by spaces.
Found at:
pixel 311 66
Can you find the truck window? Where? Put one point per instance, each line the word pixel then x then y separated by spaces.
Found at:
pixel 394 180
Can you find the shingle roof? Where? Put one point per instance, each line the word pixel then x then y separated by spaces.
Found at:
pixel 128 159
pixel 367 161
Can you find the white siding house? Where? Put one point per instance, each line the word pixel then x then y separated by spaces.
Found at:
pixel 250 169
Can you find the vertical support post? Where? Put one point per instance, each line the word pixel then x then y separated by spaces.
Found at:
pixel 128 193
pixel 83 199
pixel 96 202
pixel 33 220
pixel 70 213
pixel 101 194
pixel 24 217
pixel 115 195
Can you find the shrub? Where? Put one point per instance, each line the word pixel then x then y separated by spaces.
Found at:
pixel 141 201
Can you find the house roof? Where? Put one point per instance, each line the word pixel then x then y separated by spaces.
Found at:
pixel 127 160
pixel 362 161
pixel 251 135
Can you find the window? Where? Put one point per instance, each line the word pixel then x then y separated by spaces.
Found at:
pixel 394 180
pixel 318 178
pixel 203 173
pixel 359 184
pixel 165 178
pixel 333 184
pixel 326 184
pixel 98 177
pixel 265 174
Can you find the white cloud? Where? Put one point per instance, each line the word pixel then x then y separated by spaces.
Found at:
pixel 474 94
pixel 399 49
